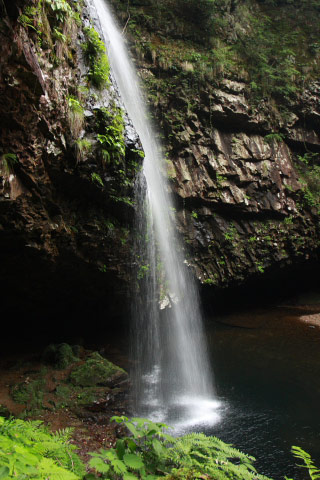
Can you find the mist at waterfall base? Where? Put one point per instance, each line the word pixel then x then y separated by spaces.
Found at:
pixel 172 379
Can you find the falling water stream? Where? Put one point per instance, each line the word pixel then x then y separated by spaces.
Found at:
pixel 172 377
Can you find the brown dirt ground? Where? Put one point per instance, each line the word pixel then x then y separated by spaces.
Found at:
pixel 91 423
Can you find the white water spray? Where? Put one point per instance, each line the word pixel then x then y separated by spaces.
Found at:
pixel 173 378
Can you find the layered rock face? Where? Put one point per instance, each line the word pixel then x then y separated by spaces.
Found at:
pixel 66 211
pixel 247 205
pixel 243 206
pixel 243 172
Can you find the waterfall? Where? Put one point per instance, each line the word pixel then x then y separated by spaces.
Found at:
pixel 172 377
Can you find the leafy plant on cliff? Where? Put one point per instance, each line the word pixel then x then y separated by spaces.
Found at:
pixel 75 105
pixel 95 177
pixel 75 116
pixel 59 35
pixel 220 180
pixel 309 170
pixel 60 9
pixel 143 271
pixel 223 59
pixel 111 135
pixel 110 128
pixel 7 161
pixel 260 267
pixel 273 137
pixel 231 234
pixel 53 21
pixel 95 53
pixel 27 18
pixel 268 50
pixel 208 281
pixel 83 147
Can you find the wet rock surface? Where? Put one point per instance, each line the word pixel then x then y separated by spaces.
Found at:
pixel 65 235
pixel 243 211
pixel 246 209
pixel 241 199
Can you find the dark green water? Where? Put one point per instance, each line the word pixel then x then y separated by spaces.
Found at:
pixel 268 378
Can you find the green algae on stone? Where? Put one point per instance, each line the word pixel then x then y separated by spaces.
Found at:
pixel 68 395
pixel 29 393
pixel 4 411
pixel 59 356
pixel 95 371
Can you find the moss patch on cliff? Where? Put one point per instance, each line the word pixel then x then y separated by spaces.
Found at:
pixel 95 52
pixel 273 45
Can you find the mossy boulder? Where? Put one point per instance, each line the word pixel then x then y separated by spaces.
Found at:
pixel 29 393
pixel 60 356
pixel 4 411
pixel 96 370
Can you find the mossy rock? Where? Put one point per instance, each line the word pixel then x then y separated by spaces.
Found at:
pixel 4 411
pixel 60 356
pixel 29 394
pixel 95 371
pixel 69 395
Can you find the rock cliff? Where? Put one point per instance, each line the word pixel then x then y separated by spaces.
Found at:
pixel 243 170
pixel 243 205
pixel 66 200
pixel 244 173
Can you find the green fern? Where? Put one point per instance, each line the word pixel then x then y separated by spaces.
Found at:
pixel 200 455
pixel 314 471
pixel 95 177
pixel 7 161
pixel 29 449
pixel 151 453
pixel 112 139
pixel 95 54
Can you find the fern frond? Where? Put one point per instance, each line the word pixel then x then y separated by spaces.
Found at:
pixel 30 445
pixel 314 471
pixel 210 456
